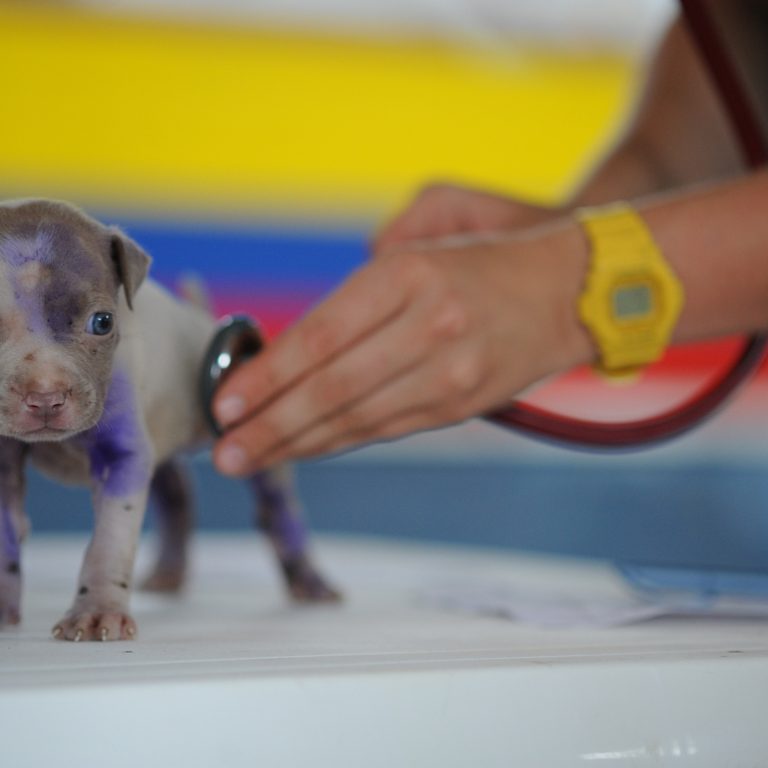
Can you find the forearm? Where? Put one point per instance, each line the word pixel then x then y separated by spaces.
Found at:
pixel 716 239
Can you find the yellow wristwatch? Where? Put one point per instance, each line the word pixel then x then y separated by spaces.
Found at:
pixel 632 298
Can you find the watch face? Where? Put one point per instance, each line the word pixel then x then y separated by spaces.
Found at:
pixel 632 302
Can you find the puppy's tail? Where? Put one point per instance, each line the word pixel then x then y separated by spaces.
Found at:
pixel 191 289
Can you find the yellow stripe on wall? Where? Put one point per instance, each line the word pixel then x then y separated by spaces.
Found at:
pixel 182 117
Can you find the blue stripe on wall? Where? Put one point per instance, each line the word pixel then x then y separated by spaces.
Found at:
pixel 298 258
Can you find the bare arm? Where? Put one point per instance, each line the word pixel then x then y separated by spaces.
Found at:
pixel 716 238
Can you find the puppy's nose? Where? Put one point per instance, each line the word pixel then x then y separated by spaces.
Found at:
pixel 44 404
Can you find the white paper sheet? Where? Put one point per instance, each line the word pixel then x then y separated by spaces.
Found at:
pixel 553 609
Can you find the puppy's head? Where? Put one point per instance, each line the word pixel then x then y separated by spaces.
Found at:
pixel 61 274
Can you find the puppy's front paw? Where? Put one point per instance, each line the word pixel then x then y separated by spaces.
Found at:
pixel 104 625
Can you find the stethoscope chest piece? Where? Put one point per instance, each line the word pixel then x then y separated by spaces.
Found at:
pixel 237 339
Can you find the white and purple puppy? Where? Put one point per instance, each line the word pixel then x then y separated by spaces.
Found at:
pixel 98 386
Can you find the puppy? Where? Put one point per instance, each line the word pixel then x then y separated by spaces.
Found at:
pixel 98 374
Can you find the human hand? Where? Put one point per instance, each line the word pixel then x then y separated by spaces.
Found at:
pixel 417 338
pixel 441 210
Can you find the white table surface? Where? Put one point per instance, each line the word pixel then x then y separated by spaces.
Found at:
pixel 230 674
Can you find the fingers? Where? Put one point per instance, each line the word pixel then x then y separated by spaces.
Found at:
pixel 401 404
pixel 319 337
pixel 339 394
pixel 384 414
pixel 363 368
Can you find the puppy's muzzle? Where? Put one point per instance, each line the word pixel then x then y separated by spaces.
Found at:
pixel 44 407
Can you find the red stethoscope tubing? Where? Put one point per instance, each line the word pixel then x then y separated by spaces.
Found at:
pixel 540 423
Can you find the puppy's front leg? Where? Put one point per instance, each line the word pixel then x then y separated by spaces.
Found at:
pixel 13 526
pixel 121 468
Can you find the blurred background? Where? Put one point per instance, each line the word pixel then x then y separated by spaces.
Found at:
pixel 260 144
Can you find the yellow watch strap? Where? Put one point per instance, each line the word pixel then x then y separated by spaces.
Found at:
pixel 618 232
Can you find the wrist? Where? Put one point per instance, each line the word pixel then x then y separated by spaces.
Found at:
pixel 565 255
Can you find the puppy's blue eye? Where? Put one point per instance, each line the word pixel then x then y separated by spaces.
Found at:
pixel 100 323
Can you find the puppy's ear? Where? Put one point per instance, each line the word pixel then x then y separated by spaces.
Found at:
pixel 129 261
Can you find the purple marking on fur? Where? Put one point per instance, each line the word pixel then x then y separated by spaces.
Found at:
pixel 18 251
pixel 118 449
pixel 54 308
pixel 282 515
pixel 10 539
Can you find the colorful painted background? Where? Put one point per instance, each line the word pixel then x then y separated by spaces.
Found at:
pixel 262 158
pixel 262 155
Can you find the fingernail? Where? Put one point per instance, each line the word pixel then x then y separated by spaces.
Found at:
pixel 230 409
pixel 231 459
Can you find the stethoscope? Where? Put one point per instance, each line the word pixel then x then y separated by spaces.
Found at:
pixel 238 338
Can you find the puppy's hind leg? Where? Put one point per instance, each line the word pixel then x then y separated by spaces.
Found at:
pixel 280 518
pixel 170 491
